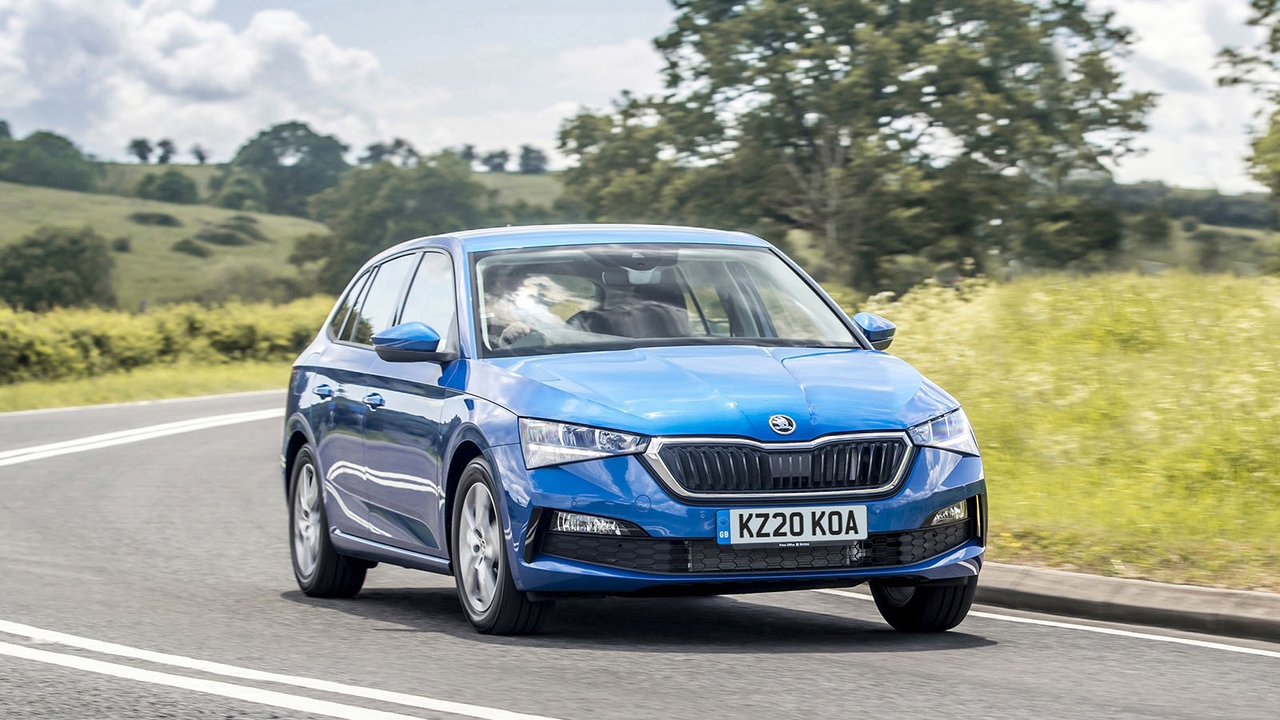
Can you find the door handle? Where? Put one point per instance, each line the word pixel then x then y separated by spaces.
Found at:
pixel 374 400
pixel 323 391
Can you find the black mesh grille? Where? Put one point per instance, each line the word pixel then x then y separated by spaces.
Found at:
pixel 835 466
pixel 668 556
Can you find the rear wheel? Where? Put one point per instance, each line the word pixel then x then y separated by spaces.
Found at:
pixel 924 608
pixel 485 588
pixel 319 569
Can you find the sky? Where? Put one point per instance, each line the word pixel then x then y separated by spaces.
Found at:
pixel 494 73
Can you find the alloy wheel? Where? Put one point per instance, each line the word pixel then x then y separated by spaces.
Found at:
pixel 479 548
pixel 306 521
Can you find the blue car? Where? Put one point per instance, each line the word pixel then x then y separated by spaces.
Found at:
pixel 560 411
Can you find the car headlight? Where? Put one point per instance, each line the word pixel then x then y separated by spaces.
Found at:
pixel 552 443
pixel 949 432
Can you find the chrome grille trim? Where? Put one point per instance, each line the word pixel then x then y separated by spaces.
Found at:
pixel 668 481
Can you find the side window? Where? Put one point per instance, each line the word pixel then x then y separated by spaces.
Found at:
pixel 344 307
pixel 431 298
pixel 378 311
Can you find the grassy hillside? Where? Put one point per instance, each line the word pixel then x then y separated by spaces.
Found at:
pixel 123 178
pixel 1128 424
pixel 151 271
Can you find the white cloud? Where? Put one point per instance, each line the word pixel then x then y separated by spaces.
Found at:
pixel 105 71
pixel 1199 133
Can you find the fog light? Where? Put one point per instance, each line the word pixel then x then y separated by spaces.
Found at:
pixel 949 514
pixel 571 522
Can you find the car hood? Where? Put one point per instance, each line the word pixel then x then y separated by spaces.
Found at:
pixel 720 390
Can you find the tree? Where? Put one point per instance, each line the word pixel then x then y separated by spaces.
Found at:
pixel 376 207
pixel 170 186
pixel 467 153
pixel 532 160
pixel 141 149
pixel 238 189
pixel 43 158
pixel 1258 67
pixel 622 171
pixel 891 127
pixel 294 163
pixel 496 160
pixel 200 154
pixel 57 267
pixel 399 151
pixel 167 151
pixel 5 133
pixel 1152 226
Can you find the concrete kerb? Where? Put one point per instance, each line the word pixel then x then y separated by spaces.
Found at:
pixel 1233 613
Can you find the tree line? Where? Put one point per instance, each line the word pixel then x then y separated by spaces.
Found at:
pixel 891 138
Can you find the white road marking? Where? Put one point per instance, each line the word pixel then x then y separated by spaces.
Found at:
pixel 140 403
pixel 215 668
pixel 1093 629
pixel 105 440
pixel 211 687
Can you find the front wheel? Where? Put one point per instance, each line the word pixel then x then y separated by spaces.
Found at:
pixel 485 588
pixel 924 608
pixel 319 569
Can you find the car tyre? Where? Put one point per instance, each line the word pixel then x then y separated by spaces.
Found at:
pixel 481 570
pixel 924 608
pixel 320 570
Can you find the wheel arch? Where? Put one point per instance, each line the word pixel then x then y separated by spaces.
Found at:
pixel 298 436
pixel 468 444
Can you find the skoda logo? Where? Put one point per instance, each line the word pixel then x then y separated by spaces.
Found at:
pixel 782 424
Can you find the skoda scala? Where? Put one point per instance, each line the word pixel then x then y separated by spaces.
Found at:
pixel 557 411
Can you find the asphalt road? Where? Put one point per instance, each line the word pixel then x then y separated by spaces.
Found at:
pixel 176 544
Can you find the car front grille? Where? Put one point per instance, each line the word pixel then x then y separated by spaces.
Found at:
pixel 674 557
pixel 729 468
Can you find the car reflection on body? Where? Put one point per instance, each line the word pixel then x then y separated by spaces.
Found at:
pixel 553 411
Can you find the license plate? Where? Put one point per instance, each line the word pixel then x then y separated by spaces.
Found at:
pixel 791 525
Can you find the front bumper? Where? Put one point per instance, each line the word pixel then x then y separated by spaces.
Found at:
pixel 681 552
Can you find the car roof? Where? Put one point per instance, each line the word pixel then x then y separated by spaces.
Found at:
pixel 535 236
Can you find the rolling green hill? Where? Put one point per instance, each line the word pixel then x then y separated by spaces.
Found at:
pixel 123 178
pixel 154 273
pixel 151 271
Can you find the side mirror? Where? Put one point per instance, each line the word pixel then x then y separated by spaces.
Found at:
pixel 878 330
pixel 411 342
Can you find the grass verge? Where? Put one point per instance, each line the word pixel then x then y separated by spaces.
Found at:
pixel 154 382
pixel 1128 424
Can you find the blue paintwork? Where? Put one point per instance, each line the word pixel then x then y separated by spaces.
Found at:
pixel 412 336
pixel 386 467
pixel 876 329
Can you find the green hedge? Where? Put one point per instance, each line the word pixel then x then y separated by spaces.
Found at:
pixel 82 343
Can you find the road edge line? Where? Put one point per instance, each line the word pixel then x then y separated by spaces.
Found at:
pixel 1245 614
pixel 139 403
pixel 1117 632
pixel 216 668
pixel 243 693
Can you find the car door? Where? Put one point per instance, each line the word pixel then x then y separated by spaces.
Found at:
pixel 377 311
pixel 337 417
pixel 404 437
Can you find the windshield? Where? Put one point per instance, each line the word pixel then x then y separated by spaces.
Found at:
pixel 610 297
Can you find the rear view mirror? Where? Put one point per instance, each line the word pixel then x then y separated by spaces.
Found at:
pixel 411 342
pixel 878 330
